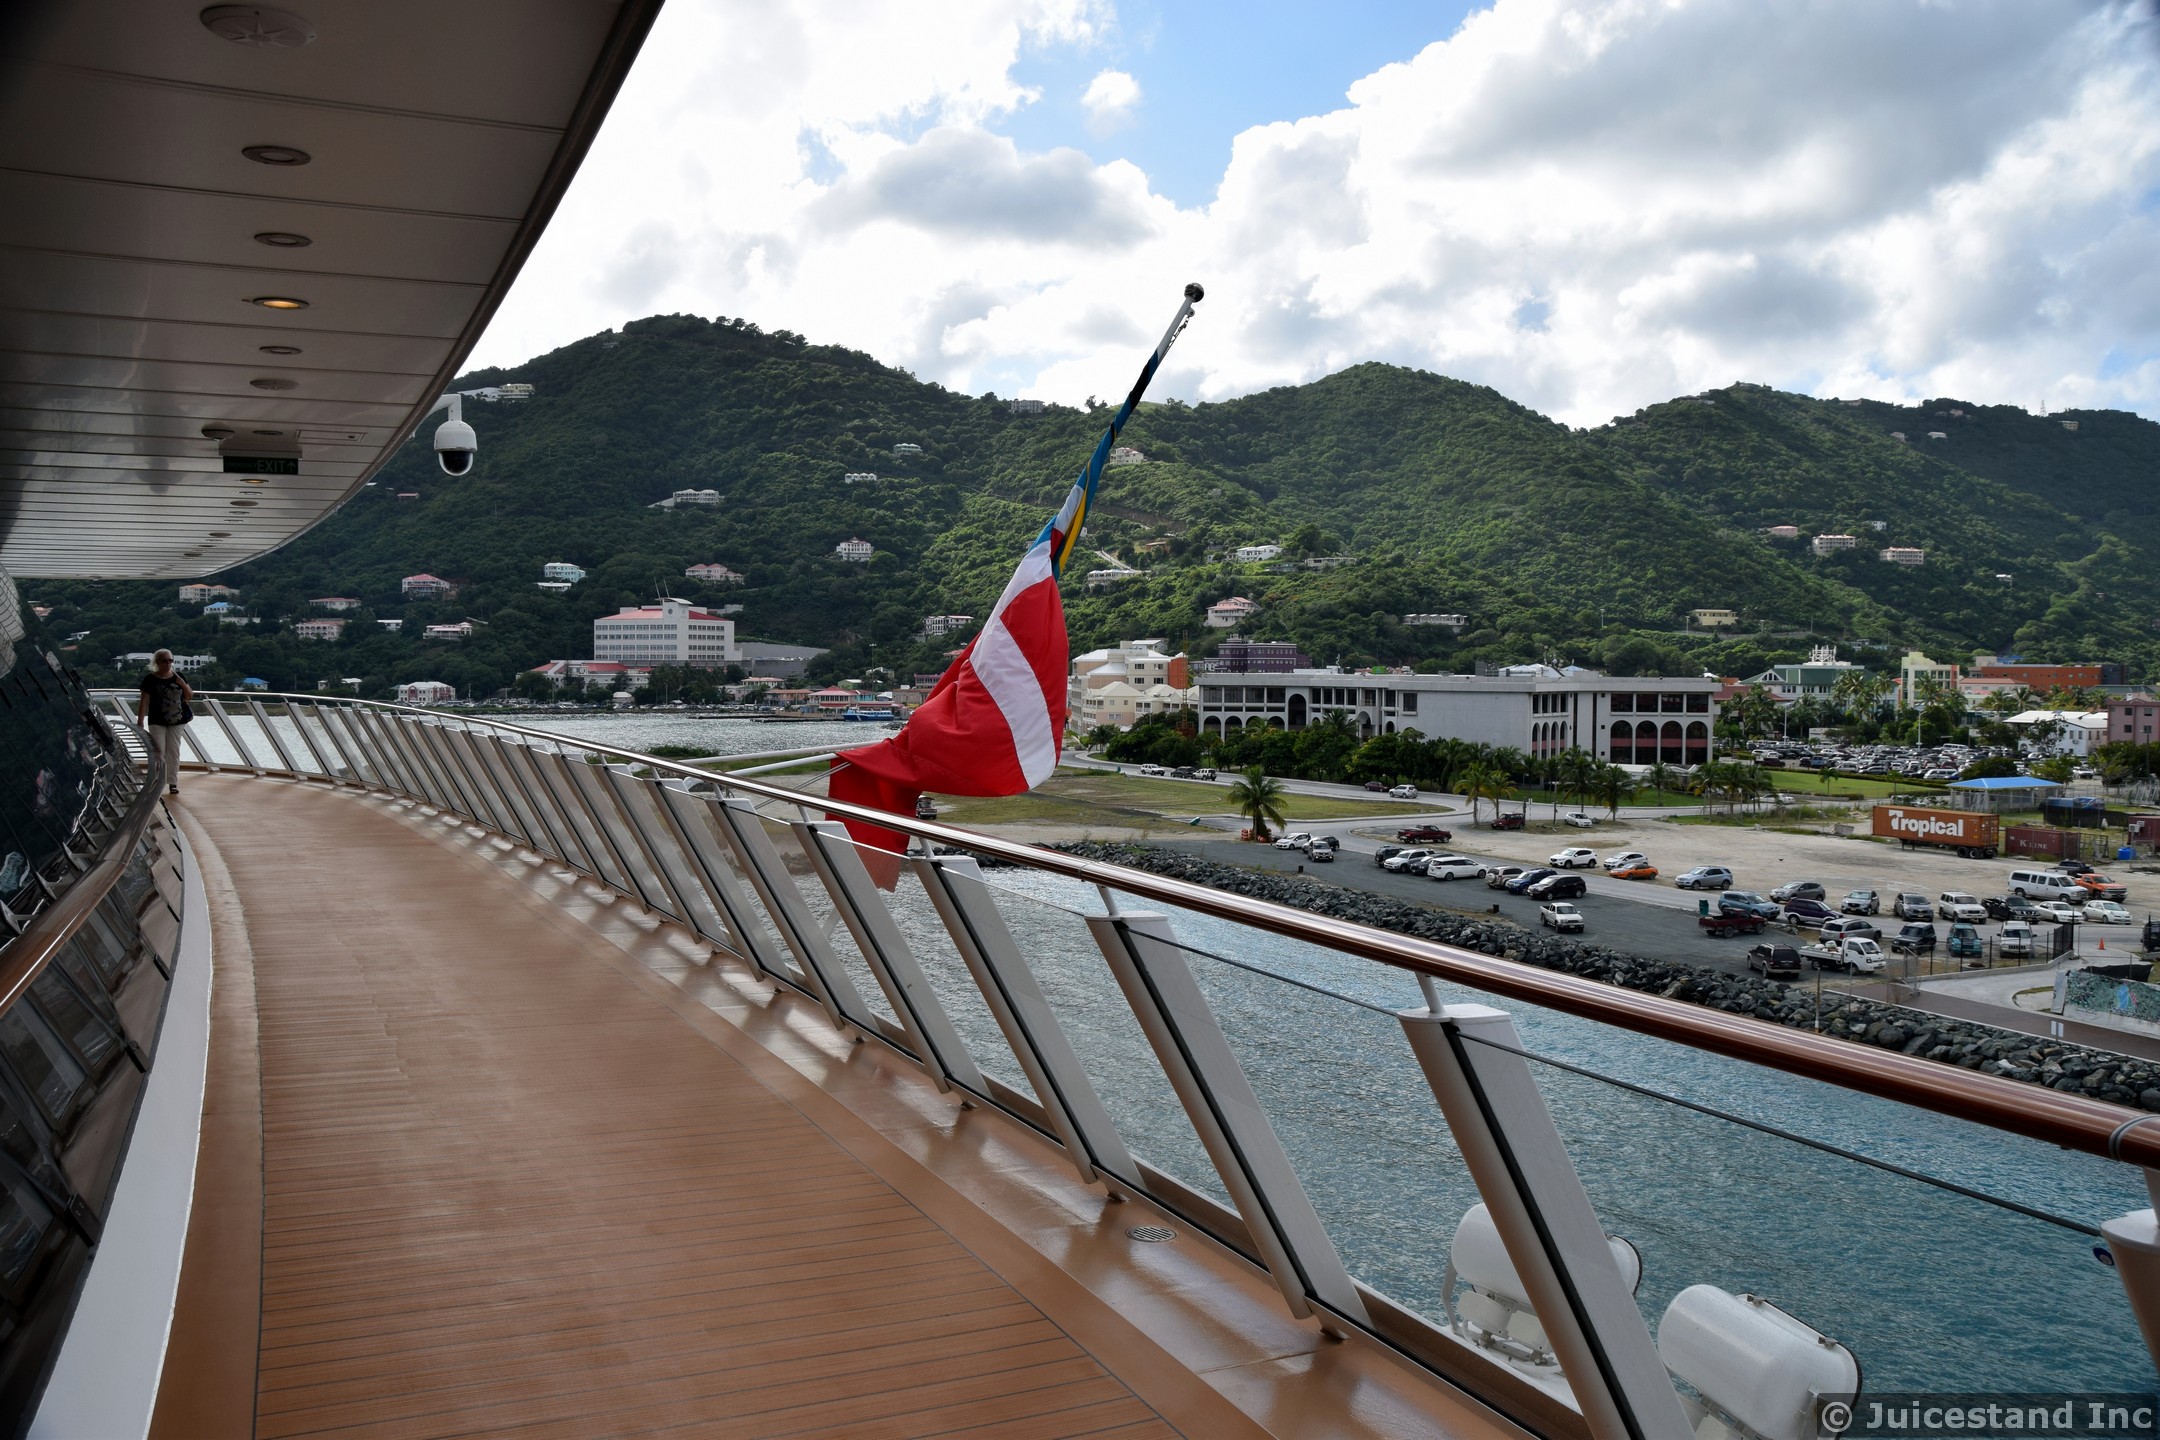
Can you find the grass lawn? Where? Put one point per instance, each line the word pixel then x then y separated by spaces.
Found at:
pixel 1810 782
pixel 1083 797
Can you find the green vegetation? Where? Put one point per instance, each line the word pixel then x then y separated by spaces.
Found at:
pixel 1404 491
pixel 1082 797
pixel 1259 799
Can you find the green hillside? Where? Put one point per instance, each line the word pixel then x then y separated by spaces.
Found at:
pixel 1442 496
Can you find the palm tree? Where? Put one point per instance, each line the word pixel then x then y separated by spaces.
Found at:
pixel 1661 778
pixel 1613 785
pixel 1258 797
pixel 1577 771
pixel 1482 781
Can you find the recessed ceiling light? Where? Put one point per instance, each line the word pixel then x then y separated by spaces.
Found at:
pixel 256 26
pixel 283 239
pixel 216 432
pixel 276 155
pixel 279 349
pixel 254 480
pixel 266 432
pixel 277 302
pixel 243 504
pixel 221 534
pixel 191 554
pixel 271 383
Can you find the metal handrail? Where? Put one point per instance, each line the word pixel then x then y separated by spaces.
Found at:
pixel 25 957
pixel 2074 1122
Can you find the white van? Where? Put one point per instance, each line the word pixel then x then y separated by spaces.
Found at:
pixel 2045 885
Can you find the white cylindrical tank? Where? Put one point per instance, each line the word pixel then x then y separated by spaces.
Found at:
pixel 1755 1362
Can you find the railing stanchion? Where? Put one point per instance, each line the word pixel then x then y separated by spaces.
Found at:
pixel 626 806
pixel 489 796
pixel 767 873
pixel 1053 1069
pixel 366 726
pixel 592 791
pixel 1528 1183
pixel 854 894
pixel 277 744
pixel 431 734
pixel 689 816
pixel 607 865
pixel 524 762
pixel 488 753
pixel 1225 1113
pixel 330 770
pixel 217 713
pixel 391 735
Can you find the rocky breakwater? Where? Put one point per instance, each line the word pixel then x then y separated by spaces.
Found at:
pixel 2097 1073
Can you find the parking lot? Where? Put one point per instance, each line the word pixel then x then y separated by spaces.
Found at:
pixel 1647 916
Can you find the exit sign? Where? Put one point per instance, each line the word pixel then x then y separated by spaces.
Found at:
pixel 262 464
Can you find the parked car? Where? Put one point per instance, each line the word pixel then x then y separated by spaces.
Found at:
pixel 1579 820
pixel 2062 912
pixel 1321 854
pixel 1205 772
pixel 1965 943
pixel 1747 902
pixel 1333 840
pixel 1810 913
pixel 1845 927
pixel 1559 887
pixel 1507 822
pixel 1640 870
pixel 1722 923
pixel 1522 883
pixel 1861 902
pixel 1957 905
pixel 2009 907
pixel 1915 939
pixel 1912 907
pixel 1294 841
pixel 1497 876
pixel 1578 857
pixel 1452 867
pixel 925 808
pixel 2106 912
pixel 1774 962
pixel 1860 955
pixel 2093 883
pixel 1404 792
pixel 2017 940
pixel 1560 915
pixel 1706 877
pixel 1181 772
pixel 2073 867
pixel 1406 860
pixel 1386 853
pixel 1626 858
pixel 1378 787
pixel 1800 890
pixel 1425 835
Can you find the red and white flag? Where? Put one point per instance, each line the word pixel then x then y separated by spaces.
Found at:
pixel 994 723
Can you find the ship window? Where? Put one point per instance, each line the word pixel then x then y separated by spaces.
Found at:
pixel 92 1039
pixel 25 1220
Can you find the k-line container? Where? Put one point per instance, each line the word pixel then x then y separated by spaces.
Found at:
pixel 1968 832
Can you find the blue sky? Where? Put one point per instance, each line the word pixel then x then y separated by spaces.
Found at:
pixel 1209 69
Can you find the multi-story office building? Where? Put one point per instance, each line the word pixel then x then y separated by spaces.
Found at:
pixel 1533 708
pixel 670 632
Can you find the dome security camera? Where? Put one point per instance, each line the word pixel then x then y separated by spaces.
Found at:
pixel 455 445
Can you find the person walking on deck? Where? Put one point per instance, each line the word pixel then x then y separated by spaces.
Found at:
pixel 163 706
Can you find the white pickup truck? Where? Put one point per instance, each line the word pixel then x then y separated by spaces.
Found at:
pixel 1560 915
pixel 1858 954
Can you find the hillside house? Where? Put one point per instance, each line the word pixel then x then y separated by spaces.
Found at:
pixel 1445 620
pixel 555 587
pixel 854 552
pixel 426 587
pixel 561 570
pixel 1783 532
pixel 462 630
pixel 1713 619
pixel 318 629
pixel 140 660
pixel 906 448
pixel 336 602
pixel 714 574
pixel 1104 579
pixel 1124 455
pixel 1229 614
pixel 688 499
pixel 1121 683
pixel 426 692
pixel 935 625
pixel 204 594
pixel 1904 555
pixel 1937 435
pixel 1252 553
pixel 1831 544
pixel 1025 407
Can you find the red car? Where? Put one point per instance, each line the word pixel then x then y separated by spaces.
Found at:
pixel 1507 822
pixel 1425 835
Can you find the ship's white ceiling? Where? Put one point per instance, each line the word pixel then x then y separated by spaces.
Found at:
pixel 438 138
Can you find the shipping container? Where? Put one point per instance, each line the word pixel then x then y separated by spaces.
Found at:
pixel 1969 832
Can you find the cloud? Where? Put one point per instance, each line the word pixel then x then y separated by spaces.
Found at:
pixel 1588 204
pixel 965 182
pixel 1110 100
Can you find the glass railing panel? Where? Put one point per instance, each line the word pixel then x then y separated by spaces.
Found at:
pixel 1047 915
pixel 1932 1289
pixel 825 916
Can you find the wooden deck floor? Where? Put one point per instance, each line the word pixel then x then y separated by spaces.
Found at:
pixel 505 1190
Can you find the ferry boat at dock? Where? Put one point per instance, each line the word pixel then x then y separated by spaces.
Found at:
pixel 426 1073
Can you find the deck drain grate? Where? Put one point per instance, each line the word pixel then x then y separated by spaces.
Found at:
pixel 1152 1233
